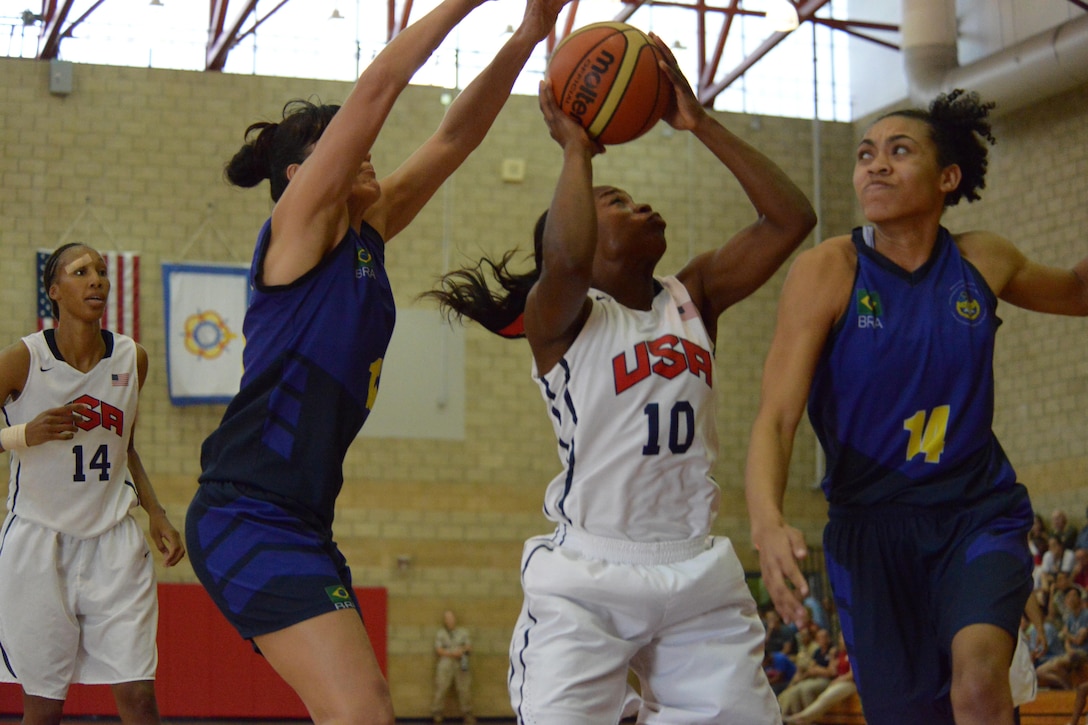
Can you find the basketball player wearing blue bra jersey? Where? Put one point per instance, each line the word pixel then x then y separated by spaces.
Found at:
pixel 631 578
pixel 306 392
pixel 917 482
pixel 319 323
pixel 888 335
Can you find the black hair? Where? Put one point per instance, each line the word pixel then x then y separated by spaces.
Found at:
pixel 49 272
pixel 958 126
pixel 466 293
pixel 271 147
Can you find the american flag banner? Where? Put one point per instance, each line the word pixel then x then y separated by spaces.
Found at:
pixel 123 308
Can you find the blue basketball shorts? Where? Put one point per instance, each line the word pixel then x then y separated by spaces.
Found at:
pixel 906 580
pixel 265 567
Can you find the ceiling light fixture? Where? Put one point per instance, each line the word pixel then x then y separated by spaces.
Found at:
pixel 782 15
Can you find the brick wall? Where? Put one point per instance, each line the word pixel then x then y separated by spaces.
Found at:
pixel 145 148
pixel 1037 186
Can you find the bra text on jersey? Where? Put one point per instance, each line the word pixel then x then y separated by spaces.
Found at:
pixel 870 309
pixel 99 413
pixel 667 356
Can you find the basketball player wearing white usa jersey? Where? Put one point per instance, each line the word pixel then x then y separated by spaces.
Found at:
pixel 77 585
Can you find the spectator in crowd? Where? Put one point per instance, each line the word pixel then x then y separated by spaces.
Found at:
pixel 1059 585
pixel 815 606
pixel 1075 632
pixel 1082 537
pixel 1080 567
pixel 1040 632
pixel 1067 672
pixel 1056 558
pixel 1050 646
pixel 780 637
pixel 1065 531
pixel 809 682
pixel 452 645
pixel 779 669
pixel 806 646
pixel 805 621
pixel 836 691
pixel 1038 538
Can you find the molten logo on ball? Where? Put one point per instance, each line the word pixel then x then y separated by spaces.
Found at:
pixel 585 94
pixel 606 77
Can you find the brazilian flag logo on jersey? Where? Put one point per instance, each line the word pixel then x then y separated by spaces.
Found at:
pixel 869 304
pixel 339 595
pixel 364 262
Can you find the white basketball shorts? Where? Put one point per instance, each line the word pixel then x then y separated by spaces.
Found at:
pixel 677 614
pixel 76 610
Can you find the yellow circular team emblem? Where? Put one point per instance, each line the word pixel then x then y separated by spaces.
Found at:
pixel 207 335
pixel 967 307
pixel 967 304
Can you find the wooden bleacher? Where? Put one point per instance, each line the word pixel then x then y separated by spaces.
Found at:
pixel 1050 707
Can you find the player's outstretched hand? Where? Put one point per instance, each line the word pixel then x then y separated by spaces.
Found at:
pixel 540 16
pixel 780 548
pixel 166 538
pixel 55 424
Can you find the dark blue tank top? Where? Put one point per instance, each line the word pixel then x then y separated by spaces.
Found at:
pixel 313 357
pixel 902 398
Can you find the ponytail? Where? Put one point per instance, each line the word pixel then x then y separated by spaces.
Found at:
pixel 466 292
pixel 271 147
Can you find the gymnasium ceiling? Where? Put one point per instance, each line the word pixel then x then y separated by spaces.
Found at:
pixel 713 25
pixel 230 21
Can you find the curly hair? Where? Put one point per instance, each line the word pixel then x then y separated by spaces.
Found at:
pixel 271 147
pixel 959 127
pixel 466 292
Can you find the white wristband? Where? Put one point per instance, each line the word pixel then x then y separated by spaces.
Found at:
pixel 13 437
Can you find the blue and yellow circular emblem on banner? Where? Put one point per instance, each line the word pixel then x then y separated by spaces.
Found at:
pixel 207 334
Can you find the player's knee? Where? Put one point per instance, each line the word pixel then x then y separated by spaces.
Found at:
pixel 981 688
pixel 136 703
pixel 371 705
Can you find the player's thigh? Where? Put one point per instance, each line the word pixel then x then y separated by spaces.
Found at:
pixel 118 603
pixel 329 661
pixel 707 667
pixel 986 580
pixel 39 631
pixel 883 594
pixel 568 657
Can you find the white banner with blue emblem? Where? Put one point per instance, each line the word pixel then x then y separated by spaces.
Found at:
pixel 204 306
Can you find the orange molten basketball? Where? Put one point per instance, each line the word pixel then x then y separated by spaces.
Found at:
pixel 606 77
